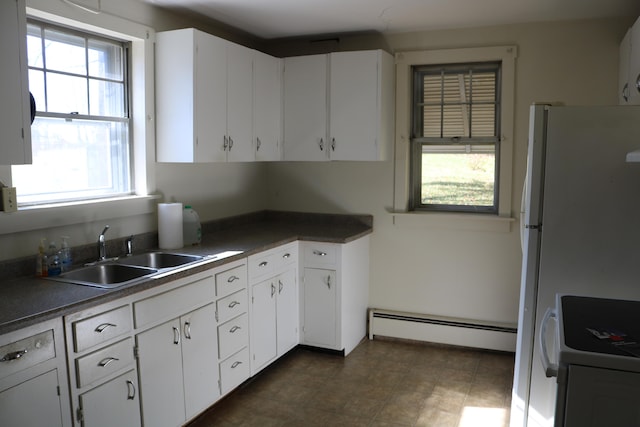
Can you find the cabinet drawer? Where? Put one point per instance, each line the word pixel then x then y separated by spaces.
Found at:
pixel 175 302
pixel 232 306
pixel 100 328
pixel 320 254
pixel 272 262
pixel 262 264
pixel 234 370
pixel 103 362
pixel 232 280
pixel 232 336
pixel 27 352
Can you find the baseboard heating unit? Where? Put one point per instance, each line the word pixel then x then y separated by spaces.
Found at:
pixel 443 330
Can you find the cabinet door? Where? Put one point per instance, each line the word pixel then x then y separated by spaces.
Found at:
pixel 199 359
pixel 114 403
pixel 601 397
pixel 305 108
pixel 287 311
pixel 267 106
pixel 210 109
pixel 623 70
pixel 33 403
pixel 354 107
pixel 160 369
pixel 634 65
pixel 15 136
pixel 320 304
pixel 239 103
pixel 263 324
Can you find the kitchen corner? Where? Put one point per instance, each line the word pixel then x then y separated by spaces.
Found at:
pixel 26 300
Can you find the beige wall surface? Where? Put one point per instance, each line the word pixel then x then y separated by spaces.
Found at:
pixel 439 267
pixel 442 267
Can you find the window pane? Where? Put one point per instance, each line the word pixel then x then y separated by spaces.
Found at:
pixel 105 60
pixel 65 52
pixel 74 159
pixel 34 46
pixel 66 94
pixel 106 98
pixel 458 175
pixel 36 87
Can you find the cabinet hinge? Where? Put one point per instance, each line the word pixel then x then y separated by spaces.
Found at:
pixel 80 415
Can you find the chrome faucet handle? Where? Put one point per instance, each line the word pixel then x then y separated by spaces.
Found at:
pixel 129 246
pixel 102 250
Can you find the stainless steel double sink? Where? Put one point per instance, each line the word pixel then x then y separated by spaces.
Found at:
pixel 126 270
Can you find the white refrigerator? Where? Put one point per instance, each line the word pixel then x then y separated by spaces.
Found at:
pixel 581 230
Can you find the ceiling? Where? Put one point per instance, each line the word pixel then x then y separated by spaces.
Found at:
pixel 268 19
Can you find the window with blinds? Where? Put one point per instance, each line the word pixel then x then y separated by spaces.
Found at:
pixel 455 129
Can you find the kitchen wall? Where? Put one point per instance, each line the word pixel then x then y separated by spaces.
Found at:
pixel 445 269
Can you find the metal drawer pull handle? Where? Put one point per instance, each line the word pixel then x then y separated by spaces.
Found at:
pixel 329 282
pixel 321 144
pixel 187 330
pixel 104 326
pixel 273 290
pixel 13 355
pixel 258 144
pixel 132 390
pixel 232 279
pixel 319 253
pixel 230 143
pixel 280 286
pixel 333 144
pixel 263 264
pixel 235 364
pixel 104 362
pixel 176 335
pixel 287 255
pixel 224 144
pixel 233 304
pixel 234 329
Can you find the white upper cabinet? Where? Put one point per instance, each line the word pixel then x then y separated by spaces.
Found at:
pixel 629 73
pixel 191 96
pixel 239 103
pixel 305 107
pixel 338 106
pixel 204 98
pixel 15 110
pixel 267 107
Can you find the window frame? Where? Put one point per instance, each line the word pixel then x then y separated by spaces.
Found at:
pixel 125 145
pixel 402 209
pixel 142 40
pixel 419 141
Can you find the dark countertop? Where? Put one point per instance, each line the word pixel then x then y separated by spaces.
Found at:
pixel 28 300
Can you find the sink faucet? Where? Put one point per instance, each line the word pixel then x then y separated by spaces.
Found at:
pixel 102 250
pixel 129 246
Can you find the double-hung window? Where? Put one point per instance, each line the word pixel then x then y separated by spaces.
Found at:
pixel 81 133
pixel 455 143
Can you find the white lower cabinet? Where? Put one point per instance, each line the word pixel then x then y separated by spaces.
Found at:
pixel 33 377
pixel 273 305
pixel 320 308
pixel 335 294
pixel 34 402
pixel 178 373
pixel 114 403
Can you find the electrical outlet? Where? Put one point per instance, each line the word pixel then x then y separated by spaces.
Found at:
pixel 9 199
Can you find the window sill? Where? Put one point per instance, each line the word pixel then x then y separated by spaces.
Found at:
pixel 457 221
pixel 62 214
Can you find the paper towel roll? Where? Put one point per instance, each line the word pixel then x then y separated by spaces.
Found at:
pixel 170 225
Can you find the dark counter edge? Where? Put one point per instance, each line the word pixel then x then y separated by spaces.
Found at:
pixel 252 233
